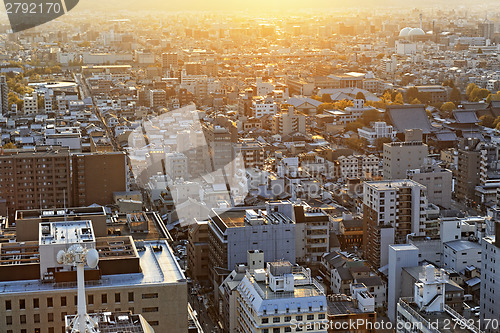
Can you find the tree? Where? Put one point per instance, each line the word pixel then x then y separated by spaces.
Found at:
pixel 9 145
pixel 325 106
pixel 480 51
pixel 370 116
pixel 360 95
pixel 415 101
pixel 398 99
pixel 448 107
pixel 478 94
pixel 470 87
pixel 379 143
pixel 353 126
pixel 411 93
pixel 449 83
pixel 326 98
pixel 342 104
pixel 487 121
pixel 455 95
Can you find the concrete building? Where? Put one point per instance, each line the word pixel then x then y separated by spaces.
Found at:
pixel 157 98
pixel 379 130
pixel 359 166
pixel 280 297
pixel 116 322
pixel 4 96
pixel 197 251
pixel 35 179
pixel 30 104
pixel 399 157
pixel 426 311
pixel 285 123
pixel 38 293
pixel 489 279
pixel 391 211
pixel 459 254
pixel 312 228
pixel 219 141
pixel 262 106
pixel 96 176
pixel 438 182
pixel 169 60
pixel 400 256
pixel 176 165
pixel 252 153
pixel 233 233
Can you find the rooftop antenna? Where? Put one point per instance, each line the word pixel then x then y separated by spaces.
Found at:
pixel 78 256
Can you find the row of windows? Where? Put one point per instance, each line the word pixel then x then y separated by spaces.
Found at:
pixel 64 302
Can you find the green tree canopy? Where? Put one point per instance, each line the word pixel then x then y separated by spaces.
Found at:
pixel 486 121
pixel 326 98
pixel 455 95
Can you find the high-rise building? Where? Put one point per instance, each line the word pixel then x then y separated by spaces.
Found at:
pixel 233 233
pixel 399 157
pixel 35 179
pixel 285 123
pixel 269 298
pixel 490 254
pixel 391 211
pixel 4 95
pixel 220 145
pixel 38 292
pixel 96 176
pixel 400 256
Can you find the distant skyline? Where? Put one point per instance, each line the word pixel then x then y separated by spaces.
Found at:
pixel 264 5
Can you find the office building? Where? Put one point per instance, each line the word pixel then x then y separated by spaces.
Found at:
pixel 38 292
pixel 96 176
pixel 399 157
pixel 279 298
pixel 391 211
pixel 233 233
pixel 169 60
pixel 197 251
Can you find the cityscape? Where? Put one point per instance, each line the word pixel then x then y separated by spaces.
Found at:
pixel 262 167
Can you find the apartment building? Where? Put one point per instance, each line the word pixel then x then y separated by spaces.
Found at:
pixel 169 59
pixel 285 123
pixel 96 176
pixel 252 153
pixel 438 182
pixel 391 211
pixel 140 277
pixel 197 251
pixel 280 298
pixel 399 157
pixel 312 228
pixel 233 233
pixel 35 179
pixel 359 166
pixel 176 165
pixel 490 254
pixel 219 142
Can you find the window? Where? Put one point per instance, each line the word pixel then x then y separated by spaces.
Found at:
pixel 36 303
pixel 36 318
pixel 90 299
pixel 287 319
pixel 8 320
pixel 117 297
pixel 288 329
pixel 130 296
pixel 22 319
pixel 276 319
pixel 63 301
pixel 265 320
pixel 321 316
pixel 8 305
pixel 310 317
pixel 298 318
pixel 148 296
pixel 22 304
pixel 104 298
pixel 50 302
pixel 151 309
pixel 276 330
pixel 51 329
pixel 50 317
pixel 76 300
pixel 63 315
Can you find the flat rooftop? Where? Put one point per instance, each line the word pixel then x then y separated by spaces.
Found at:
pixel 385 185
pixel 65 232
pixel 112 322
pixel 156 260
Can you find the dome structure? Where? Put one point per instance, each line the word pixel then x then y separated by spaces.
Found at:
pixel 416 32
pixel 405 32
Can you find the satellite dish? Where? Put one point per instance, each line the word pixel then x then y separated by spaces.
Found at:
pixel 92 258
pixel 60 257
